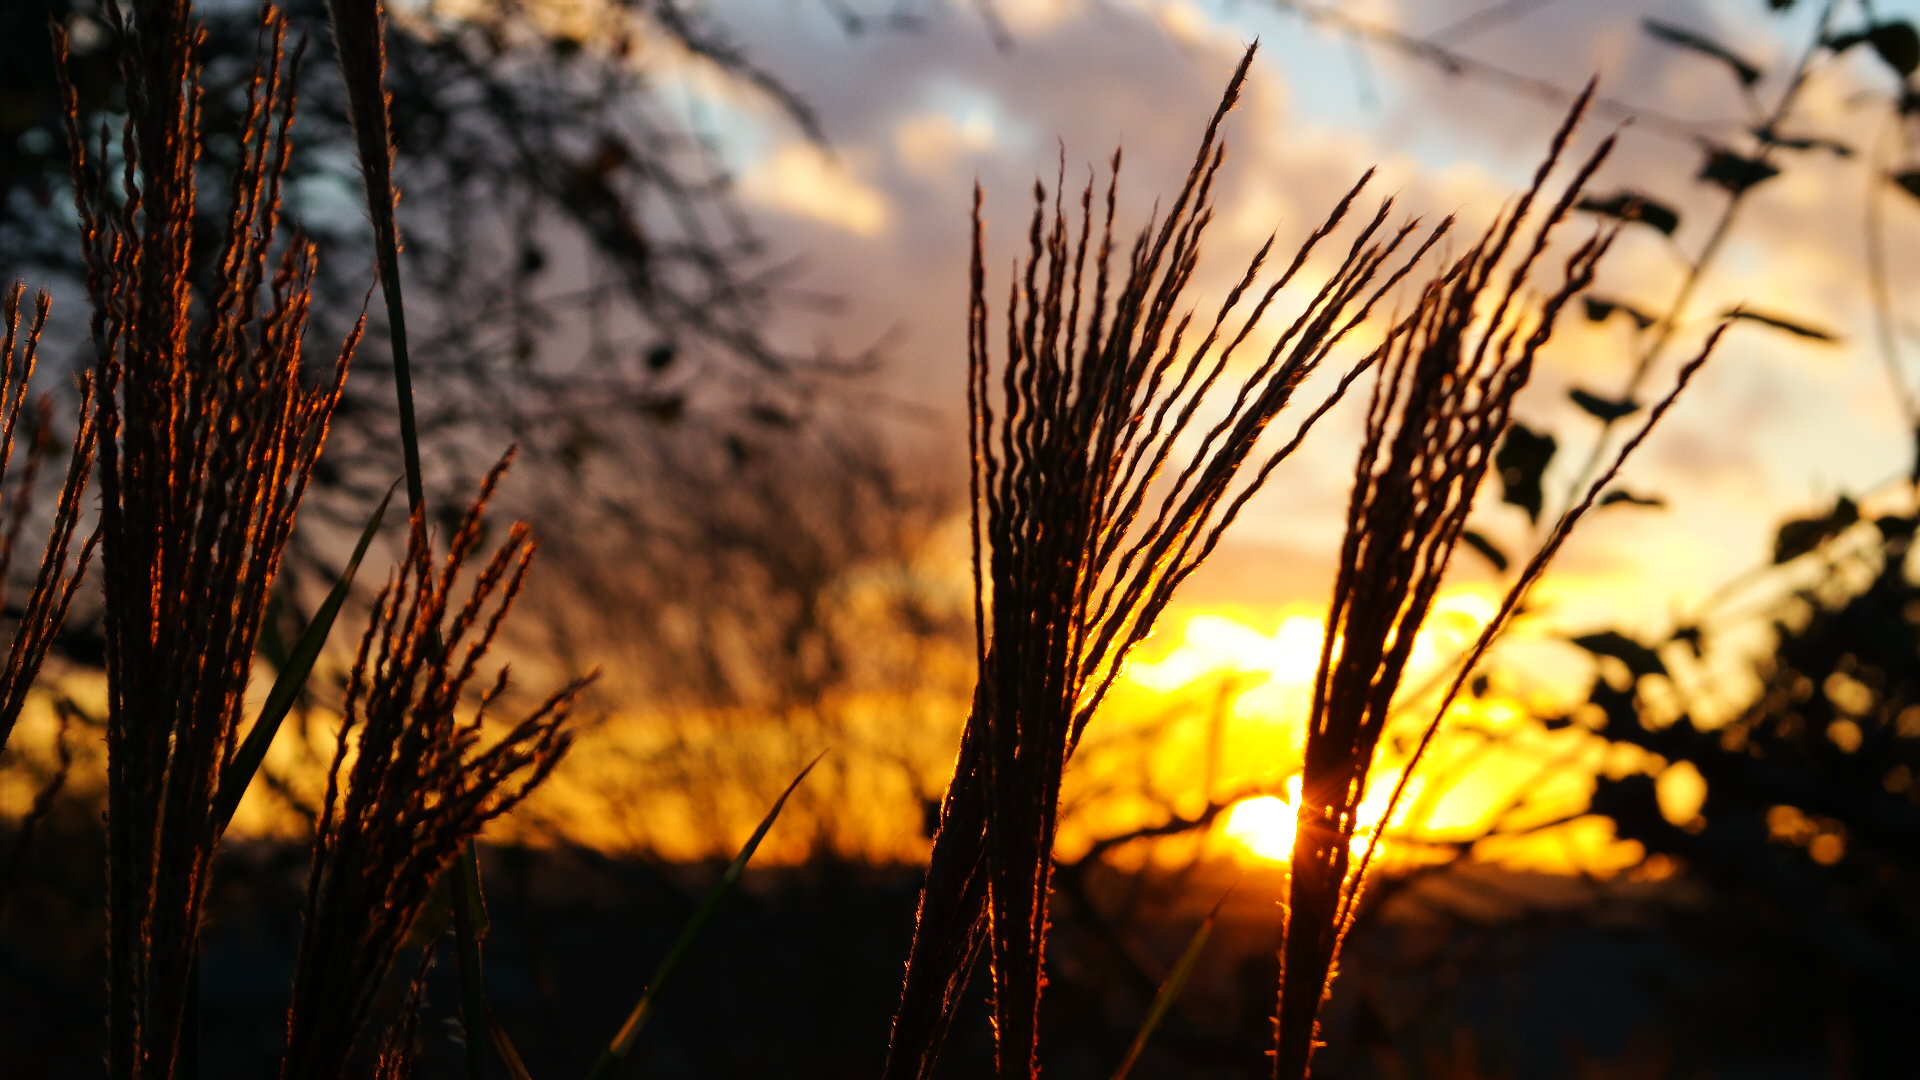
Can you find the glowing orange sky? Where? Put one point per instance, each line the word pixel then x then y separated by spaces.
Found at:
pixel 912 120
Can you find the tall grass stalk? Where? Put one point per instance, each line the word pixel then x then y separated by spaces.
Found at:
pixel 61 566
pixel 1443 400
pixel 1113 443
pixel 208 432
pixel 360 42
pixel 359 32
pixel 411 783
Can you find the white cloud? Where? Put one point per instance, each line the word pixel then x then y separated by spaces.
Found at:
pixel 804 181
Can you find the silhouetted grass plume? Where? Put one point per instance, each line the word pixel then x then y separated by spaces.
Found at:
pixel 1097 489
pixel 208 434
pixel 1443 400
pixel 412 781
pixel 62 567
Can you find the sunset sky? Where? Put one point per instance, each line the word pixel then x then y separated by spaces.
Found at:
pixel 1778 425
pixel 913 112
pixel 1067 532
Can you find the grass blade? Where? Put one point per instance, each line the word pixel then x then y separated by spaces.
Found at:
pixel 292 678
pixel 1170 990
pixel 469 921
pixel 503 1045
pixel 622 1044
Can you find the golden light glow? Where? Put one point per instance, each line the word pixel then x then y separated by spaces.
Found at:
pixel 1215 644
pixel 1230 642
pixel 1264 827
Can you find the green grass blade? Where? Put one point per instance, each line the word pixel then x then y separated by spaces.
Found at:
pixel 469 926
pixel 292 678
pixel 1170 990
pixel 502 1045
pixel 622 1044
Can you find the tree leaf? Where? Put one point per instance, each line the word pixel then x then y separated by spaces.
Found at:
pixel 1600 310
pixel 291 680
pixel 1773 137
pixel 1798 329
pixel 622 1045
pixel 1734 172
pixel 1606 410
pixel 1638 659
pixel 1628 205
pixel 1693 639
pixel 1798 536
pixel 1521 460
pixel 1488 550
pixel 1681 37
pixel 1895 42
pixel 1619 497
pixel 1896 526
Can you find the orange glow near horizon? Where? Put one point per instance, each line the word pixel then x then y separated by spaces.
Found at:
pixel 1231 682
pixel 1264 827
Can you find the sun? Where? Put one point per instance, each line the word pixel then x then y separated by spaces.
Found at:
pixel 1263 827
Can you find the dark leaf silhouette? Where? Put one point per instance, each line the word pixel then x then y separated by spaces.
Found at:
pixel 1895 42
pixel 1682 38
pixel 1799 536
pixel 1488 550
pixel 1798 329
pixel 1896 526
pixel 1600 310
pixel 1630 205
pixel 1638 659
pixel 1735 172
pixel 1628 498
pixel 1606 410
pixel 1522 459
pixel 1693 638
pixel 1772 136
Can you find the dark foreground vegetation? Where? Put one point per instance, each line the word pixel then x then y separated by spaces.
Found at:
pixel 803 969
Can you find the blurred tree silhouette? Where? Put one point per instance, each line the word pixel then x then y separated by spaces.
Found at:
pixel 1808 833
pixel 583 283
pixel 583 271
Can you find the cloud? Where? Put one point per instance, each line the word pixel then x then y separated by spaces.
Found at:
pixel 925 114
pixel 804 181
